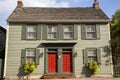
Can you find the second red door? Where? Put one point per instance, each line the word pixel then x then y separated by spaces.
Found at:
pixel 66 62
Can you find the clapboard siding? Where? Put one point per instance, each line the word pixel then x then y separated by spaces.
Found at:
pixel 15 45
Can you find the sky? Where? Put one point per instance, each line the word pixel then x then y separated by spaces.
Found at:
pixel 7 6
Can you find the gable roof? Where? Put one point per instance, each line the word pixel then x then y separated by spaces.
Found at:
pixel 37 14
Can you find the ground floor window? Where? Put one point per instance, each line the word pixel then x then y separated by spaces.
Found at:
pixel 91 54
pixel 30 55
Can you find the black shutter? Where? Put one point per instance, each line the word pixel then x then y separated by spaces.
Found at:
pixel 23 34
pixel 39 32
pixel 37 56
pixel 75 32
pixel 83 33
pixel 98 56
pixel 85 57
pixel 23 56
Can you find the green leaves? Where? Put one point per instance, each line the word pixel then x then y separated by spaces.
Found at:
pixel 28 67
pixel 93 67
pixel 115 36
pixel 32 67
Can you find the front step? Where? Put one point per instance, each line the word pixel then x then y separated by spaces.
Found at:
pixel 58 76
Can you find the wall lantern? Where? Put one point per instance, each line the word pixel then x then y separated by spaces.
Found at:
pixel 41 54
pixel 75 54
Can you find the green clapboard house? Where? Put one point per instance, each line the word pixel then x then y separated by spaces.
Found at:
pixel 61 41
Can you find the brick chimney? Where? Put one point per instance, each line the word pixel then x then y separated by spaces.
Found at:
pixel 96 4
pixel 19 3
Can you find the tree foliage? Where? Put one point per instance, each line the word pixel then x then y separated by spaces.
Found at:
pixel 115 36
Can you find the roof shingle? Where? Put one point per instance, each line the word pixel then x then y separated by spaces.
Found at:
pixel 37 14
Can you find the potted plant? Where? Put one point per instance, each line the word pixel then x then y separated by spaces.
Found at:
pixel 28 68
pixel 93 66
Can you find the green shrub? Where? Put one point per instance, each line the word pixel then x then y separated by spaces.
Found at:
pixel 28 67
pixel 93 67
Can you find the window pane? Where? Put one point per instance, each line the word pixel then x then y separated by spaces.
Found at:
pixel 30 59
pixel 30 52
pixel 91 35
pixel 30 55
pixel 92 55
pixel 31 29
pixel 52 50
pixel 52 30
pixel 68 28
pixel 51 35
pixel 31 35
pixel 68 35
pixel 67 50
pixel 68 31
pixel 90 28
pixel 92 59
pixel 90 31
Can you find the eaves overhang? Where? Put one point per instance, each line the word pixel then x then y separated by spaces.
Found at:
pixel 59 21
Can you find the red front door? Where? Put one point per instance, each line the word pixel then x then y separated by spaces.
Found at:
pixel 52 62
pixel 66 62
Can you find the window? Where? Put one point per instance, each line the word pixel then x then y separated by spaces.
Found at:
pixel 67 50
pixel 52 50
pixel 92 54
pixel 30 55
pixel 52 32
pixel 90 31
pixel 68 31
pixel 31 32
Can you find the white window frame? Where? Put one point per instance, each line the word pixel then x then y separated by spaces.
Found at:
pixel 30 58
pixel 68 32
pixel 53 32
pixel 31 32
pixel 89 31
pixel 92 56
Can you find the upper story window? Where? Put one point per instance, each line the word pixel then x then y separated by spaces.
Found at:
pixel 31 32
pixel 68 31
pixel 90 31
pixel 52 31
